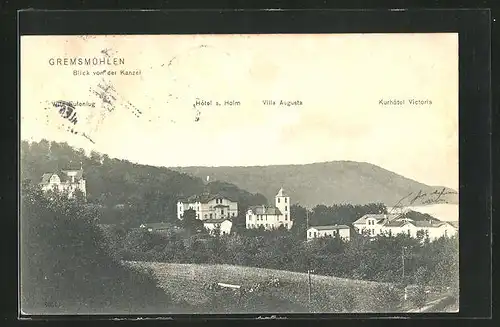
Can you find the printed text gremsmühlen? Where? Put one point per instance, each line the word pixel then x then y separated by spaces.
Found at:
pixel 86 61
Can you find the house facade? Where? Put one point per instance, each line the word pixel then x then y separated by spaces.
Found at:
pixel 208 206
pixel 66 181
pixel 271 217
pixel 373 225
pixel 342 231
pixel 224 225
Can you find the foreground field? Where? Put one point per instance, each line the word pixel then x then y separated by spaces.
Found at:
pixel 186 282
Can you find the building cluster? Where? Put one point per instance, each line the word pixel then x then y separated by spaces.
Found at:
pixel 394 224
pixel 218 211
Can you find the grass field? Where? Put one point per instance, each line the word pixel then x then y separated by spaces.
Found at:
pixel 185 282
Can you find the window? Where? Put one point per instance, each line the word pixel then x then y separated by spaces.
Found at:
pixel 205 216
pixel 267 225
pixel 314 234
pixel 278 200
pixel 221 211
pixel 285 199
pixel 286 208
pixel 233 214
pixel 286 216
pixel 373 232
pixel 210 216
pixel 310 234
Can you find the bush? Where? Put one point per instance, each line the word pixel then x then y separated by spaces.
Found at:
pixel 387 298
pixel 65 267
pixel 418 296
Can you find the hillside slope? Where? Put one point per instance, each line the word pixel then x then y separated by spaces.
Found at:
pixel 329 294
pixel 326 183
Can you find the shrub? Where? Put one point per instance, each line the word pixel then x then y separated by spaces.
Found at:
pixel 418 296
pixel 387 298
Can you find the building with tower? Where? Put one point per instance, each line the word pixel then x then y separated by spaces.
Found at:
pixel 208 206
pixel 68 181
pixel 271 217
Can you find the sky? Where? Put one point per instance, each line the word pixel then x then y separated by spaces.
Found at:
pixel 339 79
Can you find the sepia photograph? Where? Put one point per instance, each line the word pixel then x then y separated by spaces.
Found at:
pixel 239 174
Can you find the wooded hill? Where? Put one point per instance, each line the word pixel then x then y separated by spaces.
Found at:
pixel 152 191
pixel 328 183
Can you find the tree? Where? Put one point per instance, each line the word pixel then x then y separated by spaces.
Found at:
pixel 65 265
pixel 190 222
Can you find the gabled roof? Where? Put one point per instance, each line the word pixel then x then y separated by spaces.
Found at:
pixel 63 175
pixel 46 177
pixel 215 221
pixel 453 223
pixel 265 210
pixel 377 217
pixel 204 198
pixel 330 227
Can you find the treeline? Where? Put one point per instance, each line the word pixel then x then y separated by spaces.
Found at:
pixel 381 259
pixel 149 193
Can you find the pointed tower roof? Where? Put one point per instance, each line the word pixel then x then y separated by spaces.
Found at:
pixel 281 192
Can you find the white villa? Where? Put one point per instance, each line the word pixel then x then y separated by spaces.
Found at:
pixel 224 225
pixel 271 217
pixel 66 181
pixel 343 231
pixel 208 206
pixel 377 224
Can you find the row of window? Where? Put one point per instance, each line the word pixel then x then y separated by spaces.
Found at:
pixel 371 222
pixel 264 217
pixel 222 213
pixel 315 235
pixel 285 200
pixel 257 225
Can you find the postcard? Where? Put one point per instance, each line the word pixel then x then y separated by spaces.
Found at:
pixel 258 173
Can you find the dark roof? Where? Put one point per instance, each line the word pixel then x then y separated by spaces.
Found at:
pixel 204 198
pixel 215 221
pixel 46 177
pixel 453 223
pixel 265 210
pixel 281 192
pixel 330 227
pixel 378 217
pixel 396 223
pixel 63 176
pixel 427 223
